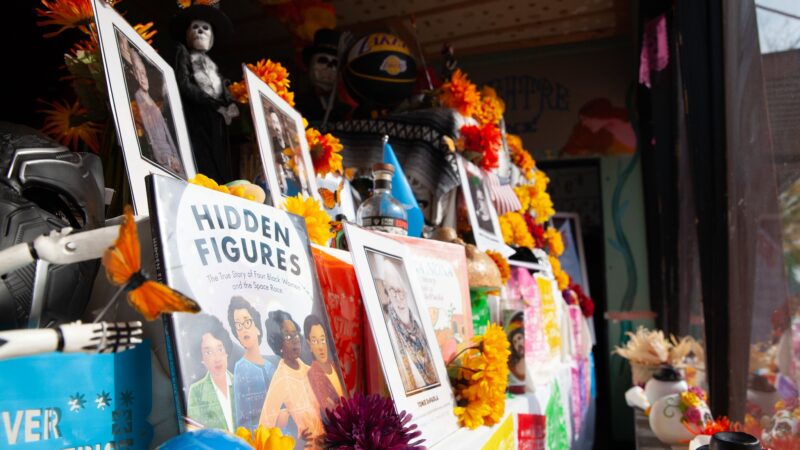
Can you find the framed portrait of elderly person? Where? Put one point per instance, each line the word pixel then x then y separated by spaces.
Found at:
pixel 480 209
pixel 287 165
pixel 403 336
pixel 145 103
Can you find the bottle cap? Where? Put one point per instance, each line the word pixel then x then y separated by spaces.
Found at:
pixel 734 440
pixel 383 166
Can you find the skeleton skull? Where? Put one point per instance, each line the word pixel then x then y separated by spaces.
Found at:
pixel 322 71
pixel 783 424
pixel 200 36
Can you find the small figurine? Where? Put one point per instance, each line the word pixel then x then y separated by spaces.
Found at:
pixel 101 337
pixel 322 60
pixel 207 105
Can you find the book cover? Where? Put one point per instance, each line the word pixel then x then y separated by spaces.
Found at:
pixel 261 351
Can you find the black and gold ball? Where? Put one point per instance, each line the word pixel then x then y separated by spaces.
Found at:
pixel 380 70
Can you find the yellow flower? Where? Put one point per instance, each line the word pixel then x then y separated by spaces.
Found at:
pixel 555 243
pixel 690 399
pixel 459 94
pixel 524 195
pixel 318 222
pixel 266 438
pixel 68 124
pixel 272 73
pixel 540 181
pixel 506 229
pixel 491 107
pixel 471 416
pixel 520 236
pixel 206 182
pixel 542 206
pixel 562 278
pixel 241 191
pixel 325 152
pixel 502 264
pixel 520 157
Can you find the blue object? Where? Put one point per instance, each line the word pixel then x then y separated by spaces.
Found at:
pixel 207 438
pixel 62 401
pixel 401 190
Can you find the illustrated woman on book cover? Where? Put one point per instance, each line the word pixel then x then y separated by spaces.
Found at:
pixel 211 398
pixel 322 375
pixel 290 386
pixel 405 331
pixel 253 373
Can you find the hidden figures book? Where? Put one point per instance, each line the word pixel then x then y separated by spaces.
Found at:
pixel 261 350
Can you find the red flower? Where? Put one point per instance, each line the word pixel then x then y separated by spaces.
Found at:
pixel 481 144
pixel 586 303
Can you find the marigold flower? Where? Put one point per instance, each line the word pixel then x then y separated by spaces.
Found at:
pixel 206 182
pixel 460 94
pixel 490 109
pixel 502 264
pixel 520 157
pixel 555 243
pixel 325 152
pixel 273 73
pixel 520 236
pixel 318 222
pixel 481 144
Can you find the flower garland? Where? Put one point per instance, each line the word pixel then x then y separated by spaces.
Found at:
pixel 491 107
pixel 460 94
pixel 325 152
pixel 318 222
pixel 515 230
pixel 479 377
pixel 272 73
pixel 542 207
pixel 520 157
pixel 502 264
pixel 584 301
pixel 561 277
pixel 370 422
pixel 266 438
pixel 481 144
pixel 524 195
pixel 555 243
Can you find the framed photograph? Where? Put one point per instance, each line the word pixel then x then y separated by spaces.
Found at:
pixel 282 142
pixel 481 212
pixel 146 105
pixel 262 350
pixel 404 338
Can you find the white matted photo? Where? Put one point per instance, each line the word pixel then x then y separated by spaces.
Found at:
pixel 281 141
pixel 410 357
pixel 146 105
pixel 481 212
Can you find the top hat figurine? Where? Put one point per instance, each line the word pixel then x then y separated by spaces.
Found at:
pixel 208 106
pixel 322 60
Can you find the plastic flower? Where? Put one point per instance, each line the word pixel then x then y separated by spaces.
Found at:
pixel 266 438
pixel 555 243
pixel 69 124
pixel 370 422
pixel 699 392
pixel 481 144
pixel 519 156
pixel 479 377
pixel 692 415
pixel 459 94
pixel 206 182
pixel 690 399
pixel 317 220
pixel 325 152
pixel 66 14
pixel 272 73
pixel 519 235
pixel 502 264
pixel 490 109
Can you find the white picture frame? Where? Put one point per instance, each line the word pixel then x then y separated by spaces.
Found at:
pixel 480 209
pixel 426 394
pixel 270 112
pixel 153 133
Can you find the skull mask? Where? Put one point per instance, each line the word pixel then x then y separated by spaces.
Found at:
pixel 200 36
pixel 322 71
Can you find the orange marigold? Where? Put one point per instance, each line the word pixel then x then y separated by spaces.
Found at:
pixel 562 278
pixel 481 144
pixel 325 152
pixel 272 73
pixel 502 264
pixel 460 94
pixel 491 107
pixel 519 156
pixel 555 243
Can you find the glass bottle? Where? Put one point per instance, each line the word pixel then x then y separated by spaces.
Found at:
pixel 381 211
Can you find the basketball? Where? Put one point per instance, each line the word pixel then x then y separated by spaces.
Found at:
pixel 380 70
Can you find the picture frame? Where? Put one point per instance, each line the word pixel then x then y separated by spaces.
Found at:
pixel 481 212
pixel 288 170
pixel 145 103
pixel 394 302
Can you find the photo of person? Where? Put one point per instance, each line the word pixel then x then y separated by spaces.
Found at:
pixel 322 375
pixel 149 102
pixel 409 344
pixel 481 202
pixel 283 149
pixel 253 372
pixel 210 400
pixel 290 387
pixel 516 337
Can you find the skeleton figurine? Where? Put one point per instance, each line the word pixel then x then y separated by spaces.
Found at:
pixel 207 104
pixel 322 62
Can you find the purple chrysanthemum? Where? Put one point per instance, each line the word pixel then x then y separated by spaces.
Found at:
pixel 370 423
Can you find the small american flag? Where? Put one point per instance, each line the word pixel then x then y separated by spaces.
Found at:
pixel 503 196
